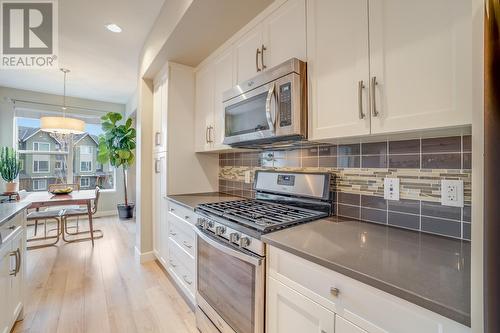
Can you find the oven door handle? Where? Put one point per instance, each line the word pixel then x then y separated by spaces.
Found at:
pixel 270 110
pixel 253 260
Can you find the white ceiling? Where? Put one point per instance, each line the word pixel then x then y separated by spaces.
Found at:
pixel 103 64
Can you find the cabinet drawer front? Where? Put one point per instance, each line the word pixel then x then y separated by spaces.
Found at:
pixel 184 259
pixel 182 212
pixel 369 308
pixel 182 233
pixel 184 276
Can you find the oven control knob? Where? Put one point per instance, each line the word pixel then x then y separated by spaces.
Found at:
pixel 244 241
pixel 202 223
pixel 234 237
pixel 220 230
pixel 210 224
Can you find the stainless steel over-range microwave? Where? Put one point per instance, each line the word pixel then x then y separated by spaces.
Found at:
pixel 268 108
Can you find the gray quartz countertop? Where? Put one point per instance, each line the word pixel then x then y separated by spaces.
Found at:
pixel 192 200
pixel 10 209
pixel 430 271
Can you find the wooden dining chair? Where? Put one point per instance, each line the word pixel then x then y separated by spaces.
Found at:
pixel 75 187
pixel 80 211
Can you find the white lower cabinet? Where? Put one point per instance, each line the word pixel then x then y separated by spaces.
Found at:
pixel 175 246
pixel 291 312
pixel 12 257
pixel 310 297
pixel 343 326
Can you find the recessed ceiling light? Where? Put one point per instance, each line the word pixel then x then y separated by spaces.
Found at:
pixel 113 27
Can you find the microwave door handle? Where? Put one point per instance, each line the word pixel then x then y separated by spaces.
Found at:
pixel 271 117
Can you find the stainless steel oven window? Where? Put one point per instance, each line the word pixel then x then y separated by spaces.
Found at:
pixel 231 287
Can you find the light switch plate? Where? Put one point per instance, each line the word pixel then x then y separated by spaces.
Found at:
pixel 452 193
pixel 391 189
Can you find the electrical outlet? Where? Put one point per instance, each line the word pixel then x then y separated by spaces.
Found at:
pixel 247 177
pixel 452 193
pixel 391 188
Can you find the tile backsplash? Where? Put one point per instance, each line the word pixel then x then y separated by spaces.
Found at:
pixel 359 171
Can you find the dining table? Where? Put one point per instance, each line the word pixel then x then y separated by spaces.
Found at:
pixel 84 198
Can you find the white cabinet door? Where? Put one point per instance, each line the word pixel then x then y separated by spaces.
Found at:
pixel 16 288
pixel 160 103
pixel 159 204
pixel 421 58
pixel 248 61
pixel 291 312
pixel 5 267
pixel 343 326
pixel 338 63
pixel 224 80
pixel 163 248
pixel 204 107
pixel 285 35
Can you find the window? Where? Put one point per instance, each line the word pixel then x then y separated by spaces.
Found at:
pixel 85 182
pixel 85 166
pixel 41 146
pixel 40 164
pixel 39 184
pixel 50 158
pixel 85 150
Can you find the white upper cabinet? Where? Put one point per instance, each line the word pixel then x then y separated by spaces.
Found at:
pixel 405 67
pixel 290 312
pixel 285 33
pixel 420 55
pixel 249 54
pixel 224 80
pixel 204 107
pixel 160 104
pixel 279 37
pixel 338 68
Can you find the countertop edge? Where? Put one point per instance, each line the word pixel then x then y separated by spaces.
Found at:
pixel 7 218
pixel 180 203
pixel 409 296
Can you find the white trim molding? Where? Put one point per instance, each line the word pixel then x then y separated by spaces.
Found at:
pixel 144 256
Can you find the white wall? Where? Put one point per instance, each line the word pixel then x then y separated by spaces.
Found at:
pixel 108 199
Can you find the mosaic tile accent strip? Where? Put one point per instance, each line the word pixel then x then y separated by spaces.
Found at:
pixel 360 170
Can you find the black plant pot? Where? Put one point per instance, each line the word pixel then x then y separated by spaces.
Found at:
pixel 125 212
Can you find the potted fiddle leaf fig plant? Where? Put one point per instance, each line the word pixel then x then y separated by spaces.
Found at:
pixel 116 146
pixel 10 166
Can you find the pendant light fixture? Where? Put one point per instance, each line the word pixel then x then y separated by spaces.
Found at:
pixel 62 125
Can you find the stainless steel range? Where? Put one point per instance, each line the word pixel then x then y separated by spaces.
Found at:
pixel 231 256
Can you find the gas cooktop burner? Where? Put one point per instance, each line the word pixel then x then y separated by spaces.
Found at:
pixel 261 215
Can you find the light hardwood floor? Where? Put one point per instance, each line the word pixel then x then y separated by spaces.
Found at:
pixel 74 288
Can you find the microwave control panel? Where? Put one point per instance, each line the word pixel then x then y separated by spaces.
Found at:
pixel 285 104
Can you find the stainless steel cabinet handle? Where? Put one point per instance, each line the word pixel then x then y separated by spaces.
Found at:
pixel 186 244
pixel 257 53
pixel 13 272
pixel 184 277
pixel 374 104
pixel 361 86
pixel 210 136
pixel 186 217
pixel 157 166
pixel 157 138
pixel 173 233
pixel 262 57
pixel 18 261
pixel 206 135
pixel 172 264
pixel 335 291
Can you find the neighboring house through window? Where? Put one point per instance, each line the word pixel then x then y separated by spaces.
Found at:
pixel 40 164
pixel 85 158
pixel 85 166
pixel 39 184
pixel 58 165
pixel 85 182
pixel 41 146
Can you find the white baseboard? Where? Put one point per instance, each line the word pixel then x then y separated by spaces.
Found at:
pixel 104 213
pixel 144 256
